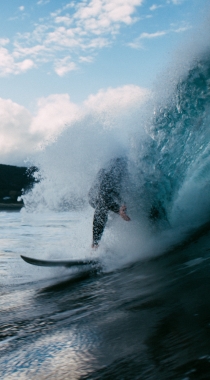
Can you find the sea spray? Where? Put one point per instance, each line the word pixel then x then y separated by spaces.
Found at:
pixel 68 166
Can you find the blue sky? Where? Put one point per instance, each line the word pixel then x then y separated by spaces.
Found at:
pixel 62 53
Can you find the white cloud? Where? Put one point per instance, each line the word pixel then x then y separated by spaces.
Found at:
pixel 87 59
pixel 53 113
pixel 115 105
pixel 175 2
pixel 15 140
pixel 137 43
pixel 4 41
pixel 8 65
pixel 63 37
pixel 97 43
pixel 14 121
pixel 42 2
pixel 63 20
pixel 36 51
pixel 152 35
pixel 155 6
pixel 23 134
pixel 63 66
pixel 116 98
pixel 91 25
pixel 106 15
pixel 21 8
pixel 24 65
pixel 182 29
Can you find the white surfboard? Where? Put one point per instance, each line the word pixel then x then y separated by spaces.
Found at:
pixel 58 263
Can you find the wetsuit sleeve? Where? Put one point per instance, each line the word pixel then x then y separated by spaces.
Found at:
pixel 114 206
pixel 109 194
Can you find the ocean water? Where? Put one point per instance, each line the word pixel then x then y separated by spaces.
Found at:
pixel 149 319
pixel 144 313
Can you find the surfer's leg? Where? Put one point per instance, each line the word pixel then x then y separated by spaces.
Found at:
pixel 99 222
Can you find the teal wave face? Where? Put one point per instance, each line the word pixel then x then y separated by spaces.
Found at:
pixel 180 135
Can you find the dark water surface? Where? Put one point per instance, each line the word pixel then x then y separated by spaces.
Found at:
pixel 149 320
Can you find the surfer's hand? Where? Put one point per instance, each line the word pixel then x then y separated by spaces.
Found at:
pixel 123 214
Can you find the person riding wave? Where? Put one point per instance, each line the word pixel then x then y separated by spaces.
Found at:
pixel 105 196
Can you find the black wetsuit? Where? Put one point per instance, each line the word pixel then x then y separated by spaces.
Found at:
pixel 104 196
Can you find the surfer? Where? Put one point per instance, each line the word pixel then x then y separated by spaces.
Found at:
pixel 105 196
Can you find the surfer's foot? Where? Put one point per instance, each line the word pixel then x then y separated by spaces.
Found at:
pixel 94 246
